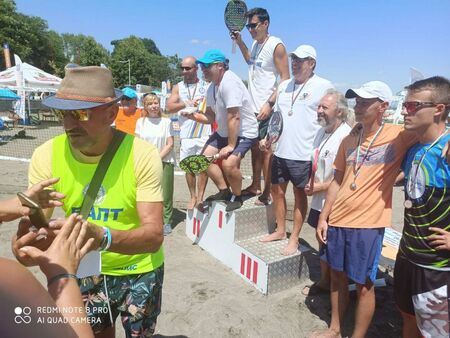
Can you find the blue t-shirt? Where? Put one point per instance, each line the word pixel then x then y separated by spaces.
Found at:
pixel 428 188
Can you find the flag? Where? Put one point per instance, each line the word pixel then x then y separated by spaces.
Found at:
pixel 415 75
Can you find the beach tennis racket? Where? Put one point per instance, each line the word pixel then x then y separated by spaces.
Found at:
pixel 195 164
pixel 235 17
pixel 274 129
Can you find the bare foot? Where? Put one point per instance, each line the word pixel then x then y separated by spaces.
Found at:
pixel 274 236
pixel 291 248
pixel 325 334
pixel 192 203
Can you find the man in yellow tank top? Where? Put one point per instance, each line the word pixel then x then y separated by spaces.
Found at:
pixel 126 217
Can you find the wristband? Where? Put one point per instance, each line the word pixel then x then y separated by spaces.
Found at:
pixel 108 243
pixel 104 239
pixel 60 276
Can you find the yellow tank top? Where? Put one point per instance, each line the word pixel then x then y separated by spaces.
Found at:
pixel 114 206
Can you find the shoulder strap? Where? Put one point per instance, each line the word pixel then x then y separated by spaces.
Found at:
pixel 100 173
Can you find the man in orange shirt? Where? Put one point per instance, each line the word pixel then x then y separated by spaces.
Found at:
pixel 128 112
pixel 358 205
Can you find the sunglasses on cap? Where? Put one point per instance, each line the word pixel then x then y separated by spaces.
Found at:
pixel 413 106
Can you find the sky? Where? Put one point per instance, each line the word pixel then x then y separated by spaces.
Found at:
pixel 356 41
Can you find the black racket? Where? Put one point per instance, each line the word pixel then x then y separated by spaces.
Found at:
pixel 196 164
pixel 235 17
pixel 274 129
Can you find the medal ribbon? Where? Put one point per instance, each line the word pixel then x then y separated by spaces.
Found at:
pixel 356 168
pixel 412 181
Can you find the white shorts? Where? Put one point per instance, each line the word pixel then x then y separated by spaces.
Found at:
pixel 191 146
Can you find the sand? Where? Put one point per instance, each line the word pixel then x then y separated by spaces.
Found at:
pixel 203 298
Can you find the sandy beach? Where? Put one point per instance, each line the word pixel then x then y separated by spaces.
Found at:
pixel 203 298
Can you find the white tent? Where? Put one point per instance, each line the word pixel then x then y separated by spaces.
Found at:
pixel 33 79
pixel 25 78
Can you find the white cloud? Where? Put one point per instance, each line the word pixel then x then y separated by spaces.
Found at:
pixel 200 42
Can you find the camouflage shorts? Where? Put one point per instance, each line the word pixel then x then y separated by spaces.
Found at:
pixel 137 298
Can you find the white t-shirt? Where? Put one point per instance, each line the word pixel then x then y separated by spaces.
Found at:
pixel 328 145
pixel 300 128
pixel 190 128
pixel 263 75
pixel 232 93
pixel 156 130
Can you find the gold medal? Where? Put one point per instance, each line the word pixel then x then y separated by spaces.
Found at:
pixel 408 204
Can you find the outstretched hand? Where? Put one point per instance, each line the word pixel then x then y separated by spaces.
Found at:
pixel 46 198
pixel 66 250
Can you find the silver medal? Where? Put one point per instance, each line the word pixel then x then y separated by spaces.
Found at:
pixel 353 186
pixel 408 204
pixel 290 112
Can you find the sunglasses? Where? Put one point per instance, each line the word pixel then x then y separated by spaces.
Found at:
pixel 81 115
pixel 413 106
pixel 186 68
pixel 299 60
pixel 252 25
pixel 207 65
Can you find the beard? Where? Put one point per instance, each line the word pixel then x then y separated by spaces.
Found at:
pixel 322 122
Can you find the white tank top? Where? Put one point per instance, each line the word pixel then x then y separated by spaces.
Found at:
pixel 193 91
pixel 263 76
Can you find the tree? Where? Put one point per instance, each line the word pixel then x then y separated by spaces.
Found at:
pixel 27 36
pixel 84 50
pixel 146 68
pixel 58 59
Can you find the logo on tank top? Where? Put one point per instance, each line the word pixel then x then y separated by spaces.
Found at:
pixel 100 195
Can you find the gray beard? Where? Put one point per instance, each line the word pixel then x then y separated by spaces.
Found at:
pixel 322 122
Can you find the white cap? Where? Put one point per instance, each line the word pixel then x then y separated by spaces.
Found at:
pixel 305 51
pixel 371 90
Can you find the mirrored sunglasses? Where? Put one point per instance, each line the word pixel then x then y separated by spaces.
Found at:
pixel 413 106
pixel 81 115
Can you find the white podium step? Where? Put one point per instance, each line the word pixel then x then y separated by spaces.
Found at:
pixel 234 239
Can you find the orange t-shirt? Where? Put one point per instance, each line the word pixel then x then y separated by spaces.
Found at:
pixel 370 205
pixel 127 123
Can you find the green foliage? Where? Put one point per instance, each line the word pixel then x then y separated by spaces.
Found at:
pixel 27 36
pixel 30 38
pixel 84 50
pixel 146 68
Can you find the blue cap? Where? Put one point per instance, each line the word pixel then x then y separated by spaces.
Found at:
pixel 212 56
pixel 129 93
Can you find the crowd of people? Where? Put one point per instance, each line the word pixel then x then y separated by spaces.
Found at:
pixel 116 184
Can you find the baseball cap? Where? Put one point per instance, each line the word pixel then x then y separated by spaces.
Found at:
pixel 129 93
pixel 212 56
pixel 305 51
pixel 371 90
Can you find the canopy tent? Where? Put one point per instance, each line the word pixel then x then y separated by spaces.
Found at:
pixel 25 78
pixel 9 95
pixel 33 79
